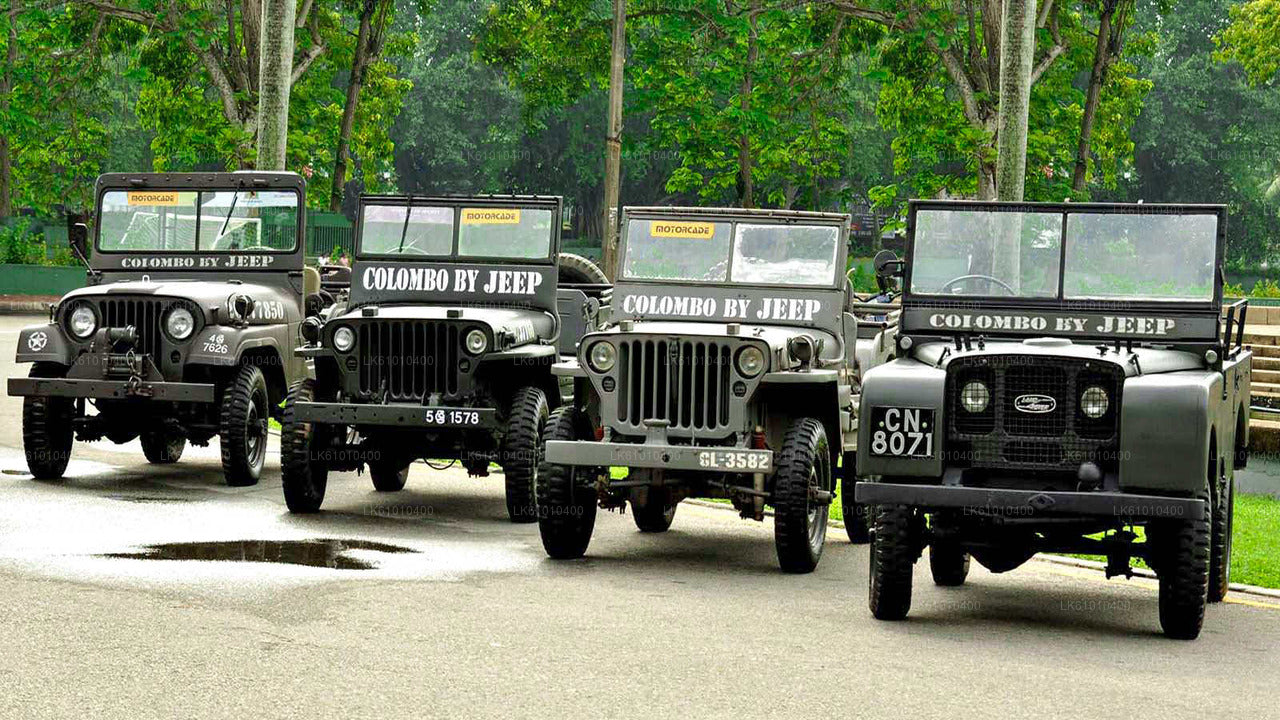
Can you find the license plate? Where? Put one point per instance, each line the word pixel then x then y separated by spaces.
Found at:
pixel 452 417
pixel 735 460
pixel 902 432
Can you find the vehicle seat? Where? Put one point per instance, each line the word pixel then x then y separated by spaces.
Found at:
pixel 310 281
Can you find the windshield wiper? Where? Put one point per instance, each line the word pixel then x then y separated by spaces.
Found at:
pixel 408 211
pixel 235 197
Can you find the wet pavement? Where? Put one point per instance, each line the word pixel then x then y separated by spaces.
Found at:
pixel 144 591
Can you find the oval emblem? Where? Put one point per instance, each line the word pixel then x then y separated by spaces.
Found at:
pixel 1036 404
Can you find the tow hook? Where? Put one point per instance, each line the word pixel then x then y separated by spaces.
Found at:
pixel 135 388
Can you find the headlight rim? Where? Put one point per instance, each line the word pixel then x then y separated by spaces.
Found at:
pixel 482 348
pixel 964 397
pixel 168 314
pixel 742 352
pixel 347 332
pixel 93 312
pixel 595 364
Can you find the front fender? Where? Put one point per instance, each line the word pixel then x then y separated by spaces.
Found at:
pixel 223 345
pixel 44 343
pixel 904 383
pixel 1165 421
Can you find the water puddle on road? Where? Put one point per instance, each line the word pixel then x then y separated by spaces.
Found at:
pixel 323 553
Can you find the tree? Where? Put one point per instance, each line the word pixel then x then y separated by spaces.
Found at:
pixel 613 138
pixel 274 82
pixel 370 41
pixel 1017 50
pixel 225 40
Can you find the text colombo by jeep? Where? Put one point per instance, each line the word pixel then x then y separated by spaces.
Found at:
pixel 731 371
pixel 1065 382
pixel 186 329
pixel 457 310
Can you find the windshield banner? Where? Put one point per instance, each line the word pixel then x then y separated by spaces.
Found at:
pixel 524 285
pixel 1109 326
pixel 810 308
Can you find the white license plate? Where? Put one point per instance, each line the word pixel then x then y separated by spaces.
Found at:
pixel 735 460
pixel 452 417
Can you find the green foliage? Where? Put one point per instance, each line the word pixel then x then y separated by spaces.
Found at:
pixel 1253 39
pixel 20 244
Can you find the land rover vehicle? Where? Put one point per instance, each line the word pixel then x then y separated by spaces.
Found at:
pixel 186 328
pixel 731 371
pixel 444 347
pixel 1066 381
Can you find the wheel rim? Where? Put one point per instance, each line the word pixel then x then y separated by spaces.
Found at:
pixel 255 436
pixel 817 513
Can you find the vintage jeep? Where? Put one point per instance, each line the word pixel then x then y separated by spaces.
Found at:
pixel 732 372
pixel 187 326
pixel 1065 382
pixel 457 310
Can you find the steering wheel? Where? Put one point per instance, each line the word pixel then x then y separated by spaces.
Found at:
pixel 253 248
pixel 990 280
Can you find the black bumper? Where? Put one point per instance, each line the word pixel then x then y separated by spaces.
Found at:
pixel 412 416
pixel 1028 503
pixel 112 389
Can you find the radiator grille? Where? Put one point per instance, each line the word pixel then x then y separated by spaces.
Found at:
pixel 144 314
pixel 1004 436
pixel 684 382
pixel 412 359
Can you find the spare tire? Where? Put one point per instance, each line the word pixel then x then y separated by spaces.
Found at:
pixel 577 270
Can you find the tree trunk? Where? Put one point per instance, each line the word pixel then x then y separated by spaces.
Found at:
pixel 6 88
pixel 1017 50
pixel 274 73
pixel 746 187
pixel 613 142
pixel 1102 55
pixel 359 62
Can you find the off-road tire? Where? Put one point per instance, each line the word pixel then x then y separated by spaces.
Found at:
pixel 46 428
pixel 566 499
pixel 388 475
pixel 655 514
pixel 894 549
pixel 799 521
pixel 522 452
pixel 1220 542
pixel 577 270
pixel 304 478
pixel 857 520
pixel 162 448
pixel 948 563
pixel 1183 570
pixel 242 432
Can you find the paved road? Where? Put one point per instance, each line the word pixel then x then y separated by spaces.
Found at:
pixel 695 623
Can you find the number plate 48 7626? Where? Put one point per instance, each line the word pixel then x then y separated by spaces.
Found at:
pixel 902 432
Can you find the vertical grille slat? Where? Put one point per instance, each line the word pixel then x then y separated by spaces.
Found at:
pixel 144 314
pixel 685 382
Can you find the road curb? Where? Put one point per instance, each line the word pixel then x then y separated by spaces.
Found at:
pixel 24 307
pixel 1052 559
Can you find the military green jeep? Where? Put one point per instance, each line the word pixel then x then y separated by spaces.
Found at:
pixel 186 330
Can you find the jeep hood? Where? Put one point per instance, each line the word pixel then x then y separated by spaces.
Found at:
pixel 776 336
pixel 517 322
pixel 204 293
pixel 1137 361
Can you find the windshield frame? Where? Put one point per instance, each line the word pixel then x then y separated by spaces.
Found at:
pixel 203 184
pixel 456 203
pixel 735 217
pixel 1059 299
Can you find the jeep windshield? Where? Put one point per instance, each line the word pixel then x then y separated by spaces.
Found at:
pixel 437 231
pixel 1138 254
pixel 744 252
pixel 198 221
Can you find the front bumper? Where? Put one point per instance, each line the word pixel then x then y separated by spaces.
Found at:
pixel 395 415
pixel 659 456
pixel 112 389
pixel 1028 503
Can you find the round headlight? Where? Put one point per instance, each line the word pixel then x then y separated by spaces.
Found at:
pixel 179 323
pixel 477 342
pixel 1094 402
pixel 343 339
pixel 602 356
pixel 975 396
pixel 750 361
pixel 83 321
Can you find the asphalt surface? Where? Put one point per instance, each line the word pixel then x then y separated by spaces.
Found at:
pixel 476 622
